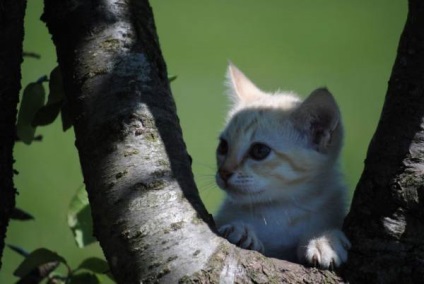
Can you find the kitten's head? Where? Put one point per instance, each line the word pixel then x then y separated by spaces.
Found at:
pixel 275 143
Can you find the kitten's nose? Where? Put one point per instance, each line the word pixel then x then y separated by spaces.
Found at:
pixel 224 174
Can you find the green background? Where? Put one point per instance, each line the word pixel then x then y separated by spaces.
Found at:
pixel 348 46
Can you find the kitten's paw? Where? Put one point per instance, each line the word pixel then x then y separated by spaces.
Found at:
pixel 327 251
pixel 241 235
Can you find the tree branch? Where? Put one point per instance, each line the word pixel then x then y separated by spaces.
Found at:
pixel 135 166
pixel 387 210
pixel 147 214
pixel 11 31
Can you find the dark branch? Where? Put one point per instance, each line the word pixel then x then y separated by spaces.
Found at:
pixel 387 214
pixel 11 32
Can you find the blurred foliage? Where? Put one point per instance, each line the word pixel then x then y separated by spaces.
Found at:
pixel 33 112
pixel 42 263
pixel 348 46
pixel 56 103
pixel 79 219
pixel 32 100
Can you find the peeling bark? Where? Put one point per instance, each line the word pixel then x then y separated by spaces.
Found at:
pixel 12 32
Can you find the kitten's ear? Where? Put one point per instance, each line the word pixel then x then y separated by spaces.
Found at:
pixel 319 117
pixel 240 87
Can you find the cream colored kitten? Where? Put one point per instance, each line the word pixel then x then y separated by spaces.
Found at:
pixel 278 163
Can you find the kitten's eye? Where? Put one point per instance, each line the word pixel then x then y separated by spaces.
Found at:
pixel 222 147
pixel 259 151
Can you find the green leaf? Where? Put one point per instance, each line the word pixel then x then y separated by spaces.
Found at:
pixel 79 219
pixel 95 264
pixel 42 79
pixel 172 78
pixel 32 100
pixel 19 250
pixel 57 92
pixel 66 116
pixel 19 214
pixel 36 259
pixel 86 278
pixel 47 114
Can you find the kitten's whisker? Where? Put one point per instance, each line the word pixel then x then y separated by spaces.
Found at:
pixel 207 187
pixel 204 165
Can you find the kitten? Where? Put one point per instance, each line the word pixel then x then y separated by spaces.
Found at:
pixel 278 163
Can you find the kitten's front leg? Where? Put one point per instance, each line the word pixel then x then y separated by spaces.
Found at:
pixel 241 235
pixel 326 251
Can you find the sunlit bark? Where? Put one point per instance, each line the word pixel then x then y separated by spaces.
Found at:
pixel 147 214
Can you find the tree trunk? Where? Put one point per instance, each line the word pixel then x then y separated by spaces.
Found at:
pixel 146 210
pixel 11 32
pixel 386 221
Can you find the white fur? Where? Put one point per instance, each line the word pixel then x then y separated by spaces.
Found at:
pixel 291 204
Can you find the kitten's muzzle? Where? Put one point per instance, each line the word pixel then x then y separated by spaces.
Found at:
pixel 225 175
